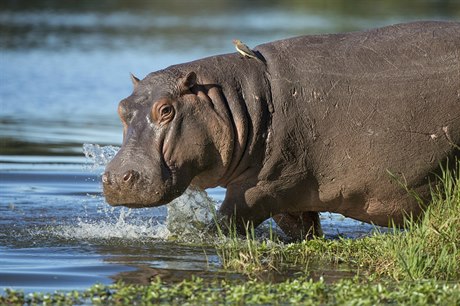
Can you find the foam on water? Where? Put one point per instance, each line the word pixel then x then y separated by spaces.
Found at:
pixel 186 219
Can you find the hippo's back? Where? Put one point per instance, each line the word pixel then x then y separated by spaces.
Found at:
pixel 354 106
pixel 392 48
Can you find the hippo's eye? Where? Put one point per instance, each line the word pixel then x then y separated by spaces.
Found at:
pixel 165 110
pixel 162 112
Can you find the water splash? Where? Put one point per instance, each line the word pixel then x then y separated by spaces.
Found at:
pixel 185 218
pixel 120 225
pixel 190 214
pixel 98 156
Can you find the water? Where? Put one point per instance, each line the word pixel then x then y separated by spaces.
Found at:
pixel 57 232
pixel 63 69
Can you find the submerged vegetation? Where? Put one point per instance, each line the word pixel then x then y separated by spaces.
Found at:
pixel 416 266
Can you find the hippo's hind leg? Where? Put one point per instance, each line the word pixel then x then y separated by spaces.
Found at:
pixel 299 225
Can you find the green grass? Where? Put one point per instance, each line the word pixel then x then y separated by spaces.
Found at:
pixel 431 248
pixel 249 256
pixel 298 291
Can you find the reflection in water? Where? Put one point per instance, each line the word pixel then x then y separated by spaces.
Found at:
pixel 49 268
pixel 173 262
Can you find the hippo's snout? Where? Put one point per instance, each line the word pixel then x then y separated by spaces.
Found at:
pixel 129 188
pixel 121 188
pixel 136 189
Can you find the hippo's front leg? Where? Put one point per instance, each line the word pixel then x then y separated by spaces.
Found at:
pixel 300 225
pixel 248 203
pixel 245 203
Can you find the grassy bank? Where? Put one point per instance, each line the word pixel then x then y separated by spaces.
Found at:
pixel 427 249
pixel 418 266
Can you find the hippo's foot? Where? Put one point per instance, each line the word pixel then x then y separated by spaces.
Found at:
pixel 223 225
pixel 218 225
pixel 231 226
pixel 299 226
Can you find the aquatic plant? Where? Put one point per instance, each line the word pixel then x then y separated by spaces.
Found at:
pixel 299 291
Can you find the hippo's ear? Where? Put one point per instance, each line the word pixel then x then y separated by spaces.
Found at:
pixel 187 82
pixel 134 80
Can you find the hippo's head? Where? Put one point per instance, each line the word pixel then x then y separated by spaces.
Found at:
pixel 172 135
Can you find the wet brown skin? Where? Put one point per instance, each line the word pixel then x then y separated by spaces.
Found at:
pixel 316 126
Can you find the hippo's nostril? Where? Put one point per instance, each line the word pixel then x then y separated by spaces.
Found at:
pixel 129 176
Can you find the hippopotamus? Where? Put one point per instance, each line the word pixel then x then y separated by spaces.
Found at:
pixel 322 123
